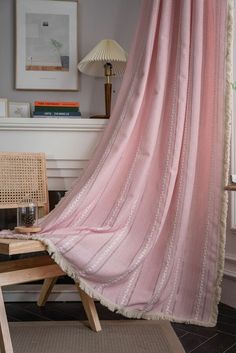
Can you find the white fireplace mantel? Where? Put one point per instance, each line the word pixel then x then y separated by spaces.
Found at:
pixel 52 124
pixel 67 143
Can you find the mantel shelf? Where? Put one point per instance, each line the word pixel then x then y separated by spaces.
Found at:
pixel 67 143
pixel 51 124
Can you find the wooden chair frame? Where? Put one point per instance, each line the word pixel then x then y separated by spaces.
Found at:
pixel 23 176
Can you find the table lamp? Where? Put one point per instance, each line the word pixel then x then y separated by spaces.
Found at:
pixel 106 59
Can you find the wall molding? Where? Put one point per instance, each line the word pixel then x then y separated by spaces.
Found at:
pixel 233 211
pixel 230 274
pixel 230 266
pixel 230 258
pixel 67 143
pixel 62 173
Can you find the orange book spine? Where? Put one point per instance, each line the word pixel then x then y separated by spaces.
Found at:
pixel 56 104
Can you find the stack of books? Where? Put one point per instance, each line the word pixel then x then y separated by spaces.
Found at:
pixel 56 110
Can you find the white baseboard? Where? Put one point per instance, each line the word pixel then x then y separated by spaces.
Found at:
pixel 228 295
pixel 30 293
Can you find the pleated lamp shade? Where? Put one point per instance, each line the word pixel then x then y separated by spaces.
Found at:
pixel 106 51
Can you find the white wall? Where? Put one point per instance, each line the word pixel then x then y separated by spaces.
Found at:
pixel 97 19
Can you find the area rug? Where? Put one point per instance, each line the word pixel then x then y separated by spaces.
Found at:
pixel 116 337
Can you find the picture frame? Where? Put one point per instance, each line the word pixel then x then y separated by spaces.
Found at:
pixel 3 108
pixel 46 45
pixel 19 110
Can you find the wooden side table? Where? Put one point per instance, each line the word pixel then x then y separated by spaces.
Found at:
pixel 32 269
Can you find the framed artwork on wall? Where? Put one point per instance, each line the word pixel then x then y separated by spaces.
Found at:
pixel 19 110
pixel 46 45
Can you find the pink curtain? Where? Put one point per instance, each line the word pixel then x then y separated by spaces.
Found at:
pixel 142 230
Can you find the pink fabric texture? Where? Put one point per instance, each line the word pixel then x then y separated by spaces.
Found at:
pixel 141 228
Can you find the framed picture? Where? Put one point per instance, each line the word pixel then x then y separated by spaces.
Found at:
pixel 19 110
pixel 3 108
pixel 46 45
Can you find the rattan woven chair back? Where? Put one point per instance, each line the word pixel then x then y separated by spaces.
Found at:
pixel 23 177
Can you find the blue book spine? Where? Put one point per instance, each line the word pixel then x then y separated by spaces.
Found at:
pixel 56 114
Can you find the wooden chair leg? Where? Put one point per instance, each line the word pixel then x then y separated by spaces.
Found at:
pixel 90 310
pixel 46 290
pixel 5 338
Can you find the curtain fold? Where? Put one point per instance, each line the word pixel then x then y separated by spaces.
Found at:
pixel 143 229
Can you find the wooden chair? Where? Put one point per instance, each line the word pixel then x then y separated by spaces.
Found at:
pixel 23 175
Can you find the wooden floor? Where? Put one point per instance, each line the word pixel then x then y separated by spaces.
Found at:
pixel 219 339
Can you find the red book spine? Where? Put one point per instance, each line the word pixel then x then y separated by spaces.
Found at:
pixel 56 104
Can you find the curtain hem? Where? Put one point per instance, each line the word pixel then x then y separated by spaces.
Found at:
pixel 226 166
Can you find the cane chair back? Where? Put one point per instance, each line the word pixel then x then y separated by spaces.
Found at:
pixel 23 177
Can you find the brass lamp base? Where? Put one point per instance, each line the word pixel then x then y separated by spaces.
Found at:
pixel 107 91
